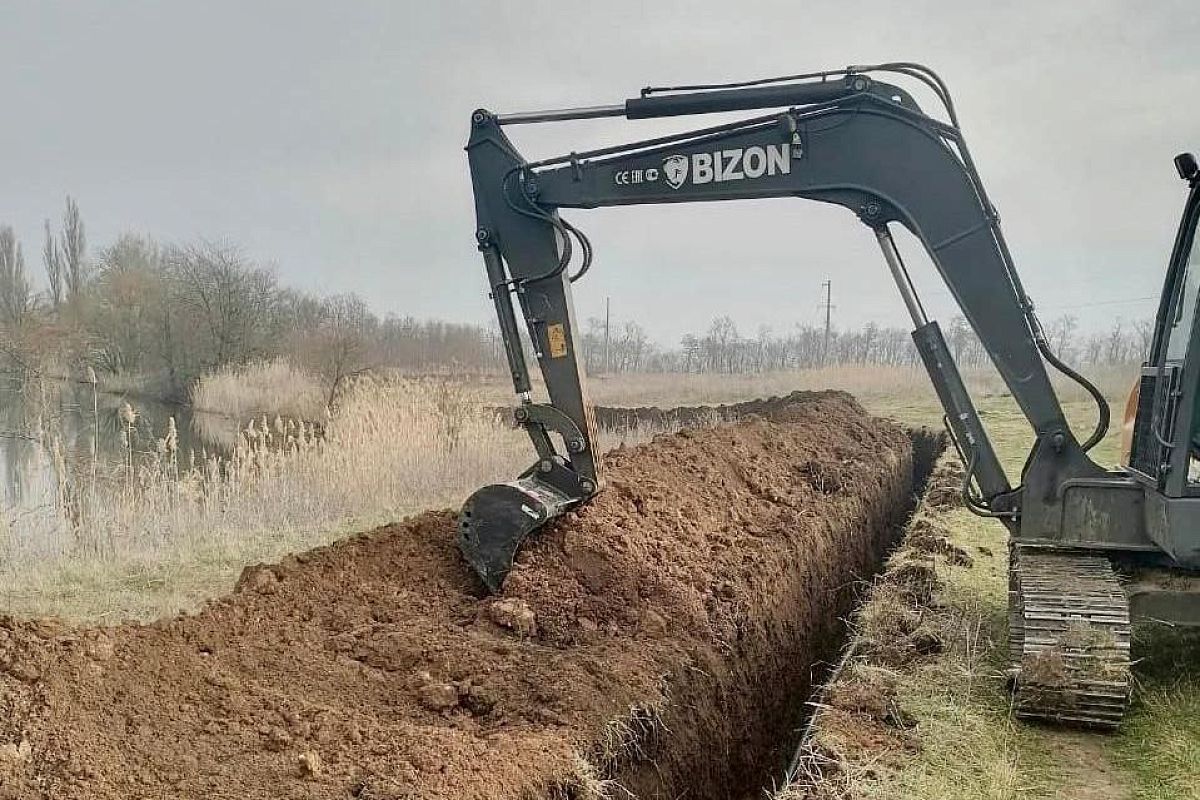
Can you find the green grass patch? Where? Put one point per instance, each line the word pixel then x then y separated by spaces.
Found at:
pixel 1160 744
pixel 970 747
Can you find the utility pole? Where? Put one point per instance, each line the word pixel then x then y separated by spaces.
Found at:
pixel 607 319
pixel 828 295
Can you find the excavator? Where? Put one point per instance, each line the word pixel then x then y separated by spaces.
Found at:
pixel 1091 548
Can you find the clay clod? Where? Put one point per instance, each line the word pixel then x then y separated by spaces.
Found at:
pixel 436 695
pixel 514 614
pixel 309 763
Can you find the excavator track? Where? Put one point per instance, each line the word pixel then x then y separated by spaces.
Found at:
pixel 1068 639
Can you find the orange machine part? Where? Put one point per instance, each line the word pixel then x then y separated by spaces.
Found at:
pixel 1127 422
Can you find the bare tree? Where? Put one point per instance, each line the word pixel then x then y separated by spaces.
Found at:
pixel 128 303
pixel 16 298
pixel 218 310
pixel 960 332
pixel 777 353
pixel 806 346
pixel 631 347
pixel 870 333
pixel 411 344
pixel 340 348
pixel 1061 333
pixel 721 344
pixel 593 345
pixel 74 246
pixel 1114 352
pixel 692 349
pixel 52 258
pixel 1143 331
pixel 761 348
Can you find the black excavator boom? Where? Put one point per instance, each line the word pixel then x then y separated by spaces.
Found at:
pixel 846 138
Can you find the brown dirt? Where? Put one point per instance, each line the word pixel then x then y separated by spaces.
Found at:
pixel 932 538
pixel 945 486
pixel 773 408
pixel 659 638
pixel 1087 769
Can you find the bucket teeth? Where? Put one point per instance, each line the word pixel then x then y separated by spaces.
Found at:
pixel 1068 639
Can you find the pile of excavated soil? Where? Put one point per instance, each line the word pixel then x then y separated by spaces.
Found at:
pixel 624 417
pixel 661 637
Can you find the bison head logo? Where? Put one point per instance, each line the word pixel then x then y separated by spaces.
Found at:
pixel 675 168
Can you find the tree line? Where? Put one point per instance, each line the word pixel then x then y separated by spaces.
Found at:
pixel 168 313
pixel 722 348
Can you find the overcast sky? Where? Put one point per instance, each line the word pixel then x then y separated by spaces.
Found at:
pixel 326 139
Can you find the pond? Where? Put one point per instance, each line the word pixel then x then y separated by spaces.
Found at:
pixel 81 422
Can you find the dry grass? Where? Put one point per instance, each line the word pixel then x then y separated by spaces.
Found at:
pixel 867 382
pixel 1160 746
pixel 149 539
pixel 688 389
pixel 264 387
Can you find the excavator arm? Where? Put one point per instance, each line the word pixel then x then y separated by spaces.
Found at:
pixel 841 138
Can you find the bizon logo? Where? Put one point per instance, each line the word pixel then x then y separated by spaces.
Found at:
pixel 729 165
pixel 675 168
pixel 716 167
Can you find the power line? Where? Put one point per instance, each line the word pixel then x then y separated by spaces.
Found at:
pixel 1121 301
pixel 945 294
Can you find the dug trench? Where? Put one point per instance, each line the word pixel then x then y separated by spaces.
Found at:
pixel 657 643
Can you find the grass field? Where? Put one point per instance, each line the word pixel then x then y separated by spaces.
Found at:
pixel 968 746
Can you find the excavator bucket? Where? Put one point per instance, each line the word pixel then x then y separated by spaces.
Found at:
pixel 496 519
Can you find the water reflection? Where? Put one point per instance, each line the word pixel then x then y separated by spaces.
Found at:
pixel 83 423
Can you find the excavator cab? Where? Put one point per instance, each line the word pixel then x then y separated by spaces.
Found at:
pixel 1164 446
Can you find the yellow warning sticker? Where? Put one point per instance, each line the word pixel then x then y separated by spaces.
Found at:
pixel 556 335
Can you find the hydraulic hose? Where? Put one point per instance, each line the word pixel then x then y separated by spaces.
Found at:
pixel 1104 412
pixel 586 244
pixel 536 212
pixel 563 228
